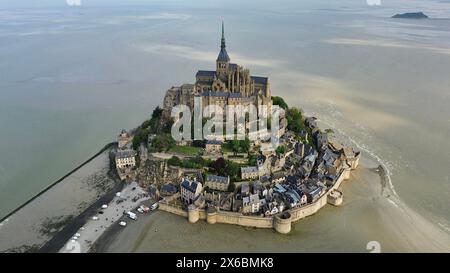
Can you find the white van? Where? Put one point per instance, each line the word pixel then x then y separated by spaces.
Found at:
pixel 154 206
pixel 132 215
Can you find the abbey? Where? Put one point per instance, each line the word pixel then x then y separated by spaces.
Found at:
pixel 229 84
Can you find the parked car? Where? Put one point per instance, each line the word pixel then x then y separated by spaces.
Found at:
pixel 154 206
pixel 132 215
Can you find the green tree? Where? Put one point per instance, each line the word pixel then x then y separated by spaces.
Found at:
pixel 163 142
pixel 295 120
pixel 157 112
pixel 240 146
pixel 280 102
pixel 280 150
pixel 140 136
pixel 235 145
pixel 174 161
pixel 245 145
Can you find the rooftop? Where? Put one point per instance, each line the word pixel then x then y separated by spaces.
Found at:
pixel 189 185
pixel 125 154
pixel 217 178
pixel 260 80
pixel 205 73
pixel 250 169
pixel 213 142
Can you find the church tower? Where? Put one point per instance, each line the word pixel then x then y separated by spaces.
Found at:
pixel 223 60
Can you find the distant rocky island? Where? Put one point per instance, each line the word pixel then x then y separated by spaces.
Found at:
pixel 411 15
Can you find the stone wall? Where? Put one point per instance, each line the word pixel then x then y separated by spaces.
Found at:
pixel 242 220
pixel 279 224
pixel 173 209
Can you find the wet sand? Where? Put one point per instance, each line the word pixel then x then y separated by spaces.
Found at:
pixel 42 222
pixel 369 213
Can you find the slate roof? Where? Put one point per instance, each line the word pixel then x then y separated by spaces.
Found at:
pixel 249 169
pixel 260 80
pixel 223 55
pixel 189 185
pixel 125 154
pixel 214 142
pixel 205 73
pixel 232 67
pixel 217 178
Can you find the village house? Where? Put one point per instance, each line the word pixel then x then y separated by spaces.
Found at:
pixel 245 189
pixel 295 198
pixel 248 173
pixel 257 188
pixel 190 190
pixel 263 165
pixel 215 182
pixel 213 146
pixel 270 209
pixel 312 191
pixel 251 204
pixel 125 159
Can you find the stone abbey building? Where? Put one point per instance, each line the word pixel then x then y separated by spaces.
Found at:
pixel 229 84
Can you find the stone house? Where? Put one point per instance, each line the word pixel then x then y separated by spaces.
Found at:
pixel 249 173
pixel 251 204
pixel 190 190
pixel 125 159
pixel 215 182
pixel 213 146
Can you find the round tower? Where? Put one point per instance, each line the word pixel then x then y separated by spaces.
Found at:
pixel 282 223
pixel 211 215
pixel 193 213
pixel 335 198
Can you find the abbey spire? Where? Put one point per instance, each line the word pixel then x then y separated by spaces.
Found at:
pixel 223 55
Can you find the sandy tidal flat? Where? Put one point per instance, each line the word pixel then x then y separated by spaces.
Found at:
pixel 36 223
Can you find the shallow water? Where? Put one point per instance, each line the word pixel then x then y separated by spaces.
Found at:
pixel 71 78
